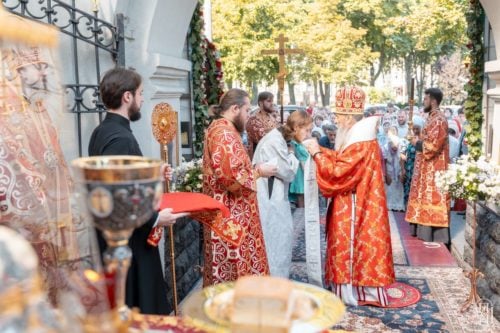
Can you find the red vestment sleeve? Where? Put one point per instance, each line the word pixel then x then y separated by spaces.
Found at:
pixel 340 172
pixel 436 138
pixel 231 164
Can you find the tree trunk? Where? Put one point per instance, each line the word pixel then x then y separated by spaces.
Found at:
pixel 315 83
pixel 327 94
pixel 322 92
pixel 421 83
pixel 374 74
pixel 291 92
pixel 255 93
pixel 229 84
pixel 432 76
pixel 408 74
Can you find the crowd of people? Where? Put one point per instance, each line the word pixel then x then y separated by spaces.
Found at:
pixel 365 163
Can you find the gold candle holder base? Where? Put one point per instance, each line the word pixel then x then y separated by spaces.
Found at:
pixel 474 273
pixel 474 297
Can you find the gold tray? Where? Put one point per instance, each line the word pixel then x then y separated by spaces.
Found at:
pixel 204 307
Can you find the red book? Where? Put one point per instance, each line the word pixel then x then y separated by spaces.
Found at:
pixel 203 209
pixel 189 202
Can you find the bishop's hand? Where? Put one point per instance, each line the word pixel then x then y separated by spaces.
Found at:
pixel 312 146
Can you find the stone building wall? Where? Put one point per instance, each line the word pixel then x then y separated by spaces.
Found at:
pixel 487 252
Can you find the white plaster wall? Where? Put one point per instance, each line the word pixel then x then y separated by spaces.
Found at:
pixel 492 68
pixel 155 35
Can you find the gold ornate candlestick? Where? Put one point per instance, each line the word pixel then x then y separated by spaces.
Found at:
pixel 164 123
pixel 122 193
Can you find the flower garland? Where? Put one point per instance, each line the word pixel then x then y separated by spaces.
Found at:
pixel 473 105
pixel 214 84
pixel 197 45
pixel 206 76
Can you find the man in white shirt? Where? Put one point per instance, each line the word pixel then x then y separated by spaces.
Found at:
pixel 453 134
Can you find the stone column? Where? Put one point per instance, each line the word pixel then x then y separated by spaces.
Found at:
pixel 487 238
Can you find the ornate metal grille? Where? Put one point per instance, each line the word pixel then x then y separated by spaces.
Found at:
pixel 82 27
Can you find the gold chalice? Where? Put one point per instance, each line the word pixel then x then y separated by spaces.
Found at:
pixel 122 193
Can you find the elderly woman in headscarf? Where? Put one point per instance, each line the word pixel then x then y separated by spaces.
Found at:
pixel 408 158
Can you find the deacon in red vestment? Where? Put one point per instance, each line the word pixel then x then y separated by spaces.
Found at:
pixel 428 209
pixel 262 122
pixel 359 256
pixel 229 177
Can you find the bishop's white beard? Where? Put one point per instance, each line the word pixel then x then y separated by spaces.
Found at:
pixel 341 138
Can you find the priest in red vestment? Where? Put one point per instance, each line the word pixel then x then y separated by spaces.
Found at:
pixel 359 256
pixel 262 122
pixel 428 209
pixel 229 177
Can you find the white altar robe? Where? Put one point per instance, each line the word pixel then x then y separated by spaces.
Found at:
pixel 274 209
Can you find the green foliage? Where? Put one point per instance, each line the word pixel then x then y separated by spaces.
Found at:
pixel 197 45
pixel 242 29
pixel 206 76
pixel 333 46
pixel 378 96
pixel 373 15
pixel 423 32
pixel 474 88
pixel 213 74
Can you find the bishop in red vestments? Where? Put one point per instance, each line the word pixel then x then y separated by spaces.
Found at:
pixel 359 260
pixel 229 177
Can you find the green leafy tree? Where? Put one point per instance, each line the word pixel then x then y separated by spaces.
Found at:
pixel 243 29
pixel 373 16
pixel 333 49
pixel 430 29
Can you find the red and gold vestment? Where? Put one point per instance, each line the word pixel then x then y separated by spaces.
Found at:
pixel 426 204
pixel 228 176
pixel 353 177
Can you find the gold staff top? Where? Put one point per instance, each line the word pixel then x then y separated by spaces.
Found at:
pixel 164 123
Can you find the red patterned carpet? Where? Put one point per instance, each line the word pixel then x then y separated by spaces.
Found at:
pixel 420 253
pixel 401 295
pixel 429 283
pixel 436 289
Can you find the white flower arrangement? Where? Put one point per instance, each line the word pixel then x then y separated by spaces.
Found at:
pixel 471 180
pixel 188 177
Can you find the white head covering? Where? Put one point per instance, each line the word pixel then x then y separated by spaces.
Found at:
pixel 418 121
pixel 453 125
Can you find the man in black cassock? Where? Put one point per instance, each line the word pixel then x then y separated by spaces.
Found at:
pixel 121 92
